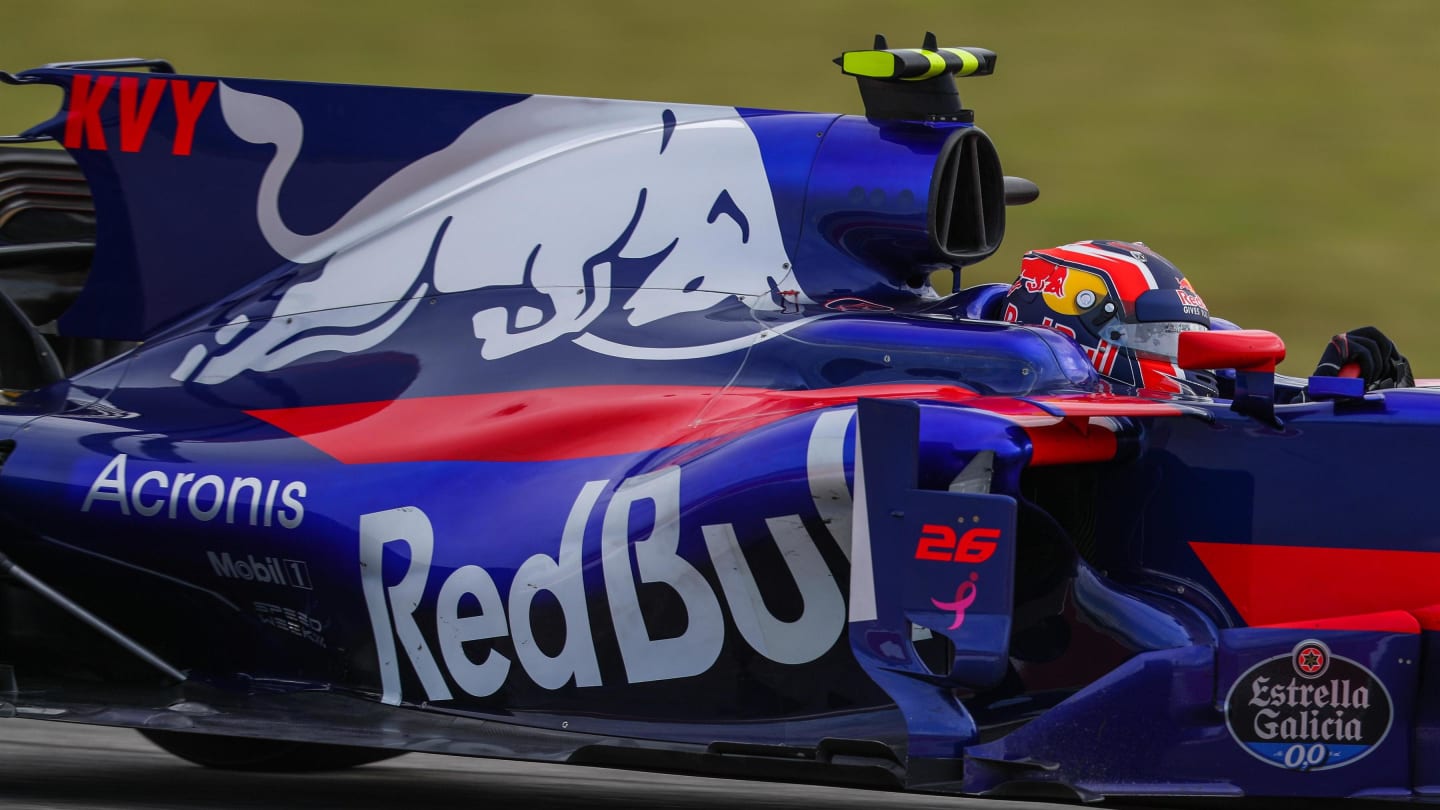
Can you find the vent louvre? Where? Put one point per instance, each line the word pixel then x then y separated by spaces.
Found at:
pixel 43 197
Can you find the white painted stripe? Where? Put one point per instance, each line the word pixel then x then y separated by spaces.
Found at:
pixel 1105 254
pixel 862 569
pixel 825 469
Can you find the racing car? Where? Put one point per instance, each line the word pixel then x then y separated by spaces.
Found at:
pixel 345 421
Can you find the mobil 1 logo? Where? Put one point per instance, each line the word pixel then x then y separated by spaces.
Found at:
pixel 267 570
pixel 1309 710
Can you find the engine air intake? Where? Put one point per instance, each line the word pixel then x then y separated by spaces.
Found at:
pixel 967 198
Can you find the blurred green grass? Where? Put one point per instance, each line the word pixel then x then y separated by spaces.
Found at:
pixel 1282 153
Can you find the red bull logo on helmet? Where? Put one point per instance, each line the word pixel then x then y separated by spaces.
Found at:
pixel 1192 303
pixel 1041 277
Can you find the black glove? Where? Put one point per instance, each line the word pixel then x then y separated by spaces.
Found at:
pixel 1381 364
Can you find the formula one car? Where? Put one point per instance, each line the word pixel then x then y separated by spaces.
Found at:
pixel 634 434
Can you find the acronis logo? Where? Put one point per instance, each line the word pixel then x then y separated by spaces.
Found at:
pixel 560 209
pixel 241 499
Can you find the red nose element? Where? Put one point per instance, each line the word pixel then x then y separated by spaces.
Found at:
pixel 1240 349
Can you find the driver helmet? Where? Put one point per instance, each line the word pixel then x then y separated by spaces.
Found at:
pixel 1122 302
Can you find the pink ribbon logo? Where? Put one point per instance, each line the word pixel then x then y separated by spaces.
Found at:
pixel 964 596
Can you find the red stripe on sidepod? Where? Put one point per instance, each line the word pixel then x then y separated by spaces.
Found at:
pixel 1060 428
pixel 1389 621
pixel 1288 584
pixel 551 424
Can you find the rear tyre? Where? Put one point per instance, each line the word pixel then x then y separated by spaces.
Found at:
pixel 263 756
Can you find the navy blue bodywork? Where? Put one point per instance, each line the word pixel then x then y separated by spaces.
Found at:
pixel 724 486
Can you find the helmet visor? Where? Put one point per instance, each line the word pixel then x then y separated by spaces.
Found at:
pixel 1158 340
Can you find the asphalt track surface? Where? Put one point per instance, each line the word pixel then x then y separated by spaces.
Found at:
pixel 62 765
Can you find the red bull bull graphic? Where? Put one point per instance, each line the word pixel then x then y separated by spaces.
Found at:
pixel 553 246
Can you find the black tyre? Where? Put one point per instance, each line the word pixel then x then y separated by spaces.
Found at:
pixel 263 756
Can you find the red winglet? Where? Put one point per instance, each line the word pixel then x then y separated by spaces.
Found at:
pixel 1429 617
pixel 551 424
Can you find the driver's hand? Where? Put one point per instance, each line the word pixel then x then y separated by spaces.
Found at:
pixel 1380 364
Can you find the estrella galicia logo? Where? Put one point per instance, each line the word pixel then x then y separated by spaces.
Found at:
pixel 1309 710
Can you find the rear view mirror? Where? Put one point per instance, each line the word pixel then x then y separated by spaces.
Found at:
pixel 1240 349
pixel 1253 353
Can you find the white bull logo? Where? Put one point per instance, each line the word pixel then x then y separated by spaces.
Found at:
pixel 541 202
